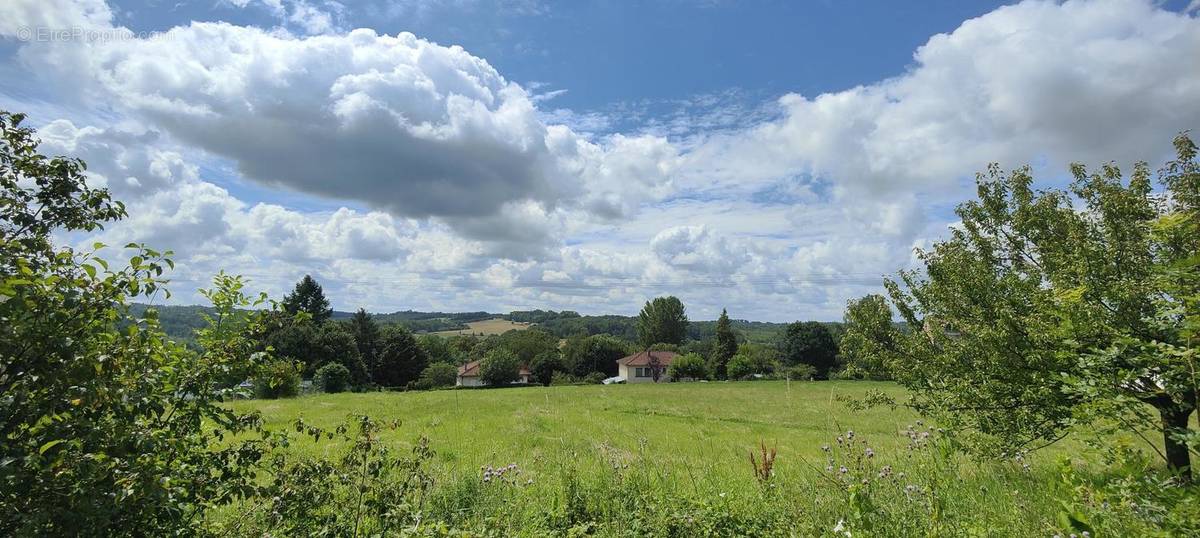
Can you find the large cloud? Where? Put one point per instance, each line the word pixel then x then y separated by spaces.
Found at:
pixel 395 122
pixel 1038 82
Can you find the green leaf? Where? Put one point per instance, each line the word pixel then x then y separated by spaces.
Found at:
pixel 49 445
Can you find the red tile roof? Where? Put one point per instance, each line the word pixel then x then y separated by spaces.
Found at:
pixel 471 369
pixel 643 358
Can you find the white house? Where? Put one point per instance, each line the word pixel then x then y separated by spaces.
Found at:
pixel 468 375
pixel 646 366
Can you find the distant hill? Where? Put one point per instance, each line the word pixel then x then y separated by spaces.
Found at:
pixel 180 322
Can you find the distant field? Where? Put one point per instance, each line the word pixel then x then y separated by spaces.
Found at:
pixel 486 327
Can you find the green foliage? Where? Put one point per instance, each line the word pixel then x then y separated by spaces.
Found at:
pixel 366 336
pixel 584 355
pixel 796 372
pixel 400 358
pixel 437 348
pixel 315 345
pixel 662 321
pixel 438 374
pixel 500 367
pixel 104 431
pixel 689 366
pixel 810 343
pixel 369 490
pixel 333 377
pixel 545 365
pixel 1037 314
pixel 753 359
pixel 309 298
pixel 725 346
pixel 279 378
pixel 529 343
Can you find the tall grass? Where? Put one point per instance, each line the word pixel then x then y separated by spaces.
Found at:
pixel 672 460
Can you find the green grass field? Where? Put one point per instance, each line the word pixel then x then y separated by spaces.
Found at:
pixel 681 451
pixel 682 423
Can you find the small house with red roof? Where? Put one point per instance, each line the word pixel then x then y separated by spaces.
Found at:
pixel 645 366
pixel 468 375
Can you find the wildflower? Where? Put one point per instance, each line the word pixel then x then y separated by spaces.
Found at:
pixel 825 448
pixel 843 470
pixel 869 453
pixel 850 434
pixel 841 528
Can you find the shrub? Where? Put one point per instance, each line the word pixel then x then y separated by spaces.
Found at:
pixel 690 366
pixel 752 359
pixel 279 378
pixel 333 377
pixel 438 374
pixel 500 367
pixel 594 378
pixel 562 378
pixel 797 372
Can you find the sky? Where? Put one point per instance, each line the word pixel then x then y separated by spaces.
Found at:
pixel 776 159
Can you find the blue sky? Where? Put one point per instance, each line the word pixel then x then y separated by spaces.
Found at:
pixel 772 158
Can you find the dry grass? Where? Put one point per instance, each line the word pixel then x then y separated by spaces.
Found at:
pixel 486 327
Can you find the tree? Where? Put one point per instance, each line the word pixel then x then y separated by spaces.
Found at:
pixel 400 359
pixel 810 343
pixel 544 365
pixel 500 367
pixel 438 374
pixel 366 336
pixel 315 345
pixel 598 353
pixel 662 321
pixel 689 366
pixel 725 346
pixel 1036 314
pixel 308 297
pixel 528 343
pixel 436 348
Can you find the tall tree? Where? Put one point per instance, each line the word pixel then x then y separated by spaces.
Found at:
pixel 811 343
pixel 499 367
pixel 725 347
pixel 1036 314
pixel 307 296
pixel 598 353
pixel 366 336
pixel 400 358
pixel 662 321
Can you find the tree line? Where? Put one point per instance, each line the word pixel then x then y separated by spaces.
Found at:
pixel 361 354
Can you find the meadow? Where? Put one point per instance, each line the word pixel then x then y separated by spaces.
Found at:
pixel 675 460
pixel 486 327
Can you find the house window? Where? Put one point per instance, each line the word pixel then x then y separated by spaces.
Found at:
pixel 642 372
